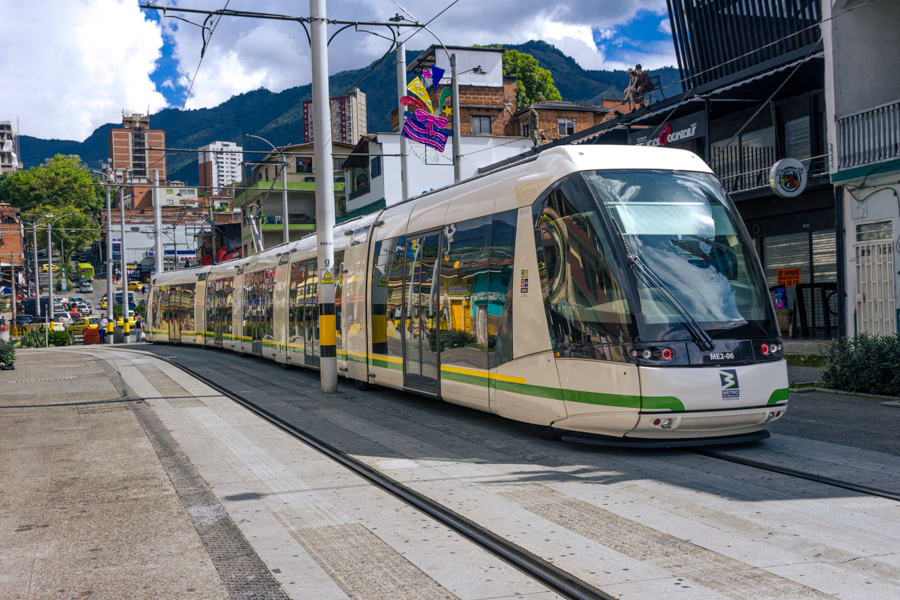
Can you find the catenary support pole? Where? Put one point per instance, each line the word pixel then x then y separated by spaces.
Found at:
pixel 284 201
pixel 109 252
pixel 157 225
pixel 37 273
pixel 124 270
pixel 404 143
pixel 457 137
pixel 50 312
pixel 12 283
pixel 324 195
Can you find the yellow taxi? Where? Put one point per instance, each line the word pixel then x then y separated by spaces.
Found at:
pixel 46 268
pixel 120 322
pixel 135 286
pixel 83 323
pixel 103 303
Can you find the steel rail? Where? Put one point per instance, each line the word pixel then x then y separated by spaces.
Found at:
pixel 554 578
pixel 749 462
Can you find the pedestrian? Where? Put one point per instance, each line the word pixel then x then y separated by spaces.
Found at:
pixel 143 290
pixel 139 329
pixel 631 89
pixel 103 325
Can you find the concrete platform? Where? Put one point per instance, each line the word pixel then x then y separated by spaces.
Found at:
pixel 125 478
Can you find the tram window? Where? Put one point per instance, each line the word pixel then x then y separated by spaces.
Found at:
pixel 387 291
pixel 503 245
pixel 295 295
pixel 585 306
pixel 465 291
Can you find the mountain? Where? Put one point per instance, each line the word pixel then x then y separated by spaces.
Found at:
pixel 278 116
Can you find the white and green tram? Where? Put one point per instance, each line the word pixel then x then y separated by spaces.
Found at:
pixel 605 290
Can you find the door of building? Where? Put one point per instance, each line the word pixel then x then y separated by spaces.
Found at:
pixel 875 303
pixel 421 330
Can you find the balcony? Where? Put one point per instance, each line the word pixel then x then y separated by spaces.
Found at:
pixel 362 191
pixel 869 136
pixel 745 169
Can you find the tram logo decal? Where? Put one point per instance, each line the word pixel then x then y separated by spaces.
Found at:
pixel 730 387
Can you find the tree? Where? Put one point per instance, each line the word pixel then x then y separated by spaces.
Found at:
pixel 60 181
pixel 71 228
pixel 533 82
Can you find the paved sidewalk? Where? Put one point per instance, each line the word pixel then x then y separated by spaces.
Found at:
pixel 88 508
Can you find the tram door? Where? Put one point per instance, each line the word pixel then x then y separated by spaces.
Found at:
pixel 174 314
pixel 311 315
pixel 421 331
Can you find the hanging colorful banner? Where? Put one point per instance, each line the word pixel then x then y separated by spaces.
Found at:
pixel 422 124
pixel 421 92
pixel 436 74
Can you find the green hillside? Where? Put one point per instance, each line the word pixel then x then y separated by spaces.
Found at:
pixel 278 116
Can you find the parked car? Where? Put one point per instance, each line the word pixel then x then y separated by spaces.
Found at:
pixel 87 288
pixel 83 323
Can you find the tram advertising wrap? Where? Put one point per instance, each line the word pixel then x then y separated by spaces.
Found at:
pixel 606 290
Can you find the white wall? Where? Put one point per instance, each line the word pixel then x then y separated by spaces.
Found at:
pixel 429 169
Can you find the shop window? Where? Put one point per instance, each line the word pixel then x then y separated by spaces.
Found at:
pixel 481 126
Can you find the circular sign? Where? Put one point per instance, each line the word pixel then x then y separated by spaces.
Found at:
pixel 788 178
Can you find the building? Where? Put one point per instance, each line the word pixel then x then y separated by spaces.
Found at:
pixel 12 244
pixel 747 103
pixel 220 165
pixel 135 151
pixel 261 195
pixel 9 148
pixel 374 182
pixel 863 122
pixel 558 119
pixel 348 118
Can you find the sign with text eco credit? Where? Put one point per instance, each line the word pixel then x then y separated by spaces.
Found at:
pixel 671 132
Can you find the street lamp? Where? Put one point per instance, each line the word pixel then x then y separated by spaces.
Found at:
pixel 284 186
pixel 109 268
pixel 37 271
pixel 50 307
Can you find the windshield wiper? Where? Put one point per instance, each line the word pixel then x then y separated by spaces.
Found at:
pixel 704 342
pixel 701 338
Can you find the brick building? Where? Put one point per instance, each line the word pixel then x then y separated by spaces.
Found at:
pixel 135 151
pixel 487 99
pixel 11 235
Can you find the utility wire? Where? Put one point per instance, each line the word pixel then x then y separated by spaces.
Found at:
pixel 202 56
pixel 413 34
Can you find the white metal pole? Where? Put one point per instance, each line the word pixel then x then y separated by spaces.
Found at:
pixel 157 224
pixel 125 328
pixel 50 310
pixel 457 137
pixel 109 251
pixel 404 143
pixel 324 195
pixel 12 283
pixel 284 200
pixel 37 273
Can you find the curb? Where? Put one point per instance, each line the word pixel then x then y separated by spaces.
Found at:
pixel 892 400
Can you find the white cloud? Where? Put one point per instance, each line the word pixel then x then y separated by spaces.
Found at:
pixel 69 67
pixel 665 27
pixel 168 84
pixel 245 54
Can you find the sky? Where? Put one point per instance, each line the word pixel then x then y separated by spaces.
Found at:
pixel 70 66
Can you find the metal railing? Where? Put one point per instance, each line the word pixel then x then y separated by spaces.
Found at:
pixel 869 136
pixel 360 191
pixel 757 176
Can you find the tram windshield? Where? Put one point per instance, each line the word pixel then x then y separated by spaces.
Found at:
pixel 683 229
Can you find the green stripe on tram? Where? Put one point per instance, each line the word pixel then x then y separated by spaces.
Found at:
pixel 779 395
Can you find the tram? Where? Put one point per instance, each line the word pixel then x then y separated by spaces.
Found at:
pixel 605 290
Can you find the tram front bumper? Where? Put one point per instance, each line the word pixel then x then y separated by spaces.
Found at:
pixel 705 424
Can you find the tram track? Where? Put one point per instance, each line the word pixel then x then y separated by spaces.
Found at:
pixel 552 577
pixel 838 483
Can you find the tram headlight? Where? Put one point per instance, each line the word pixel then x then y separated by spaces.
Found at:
pixel 666 424
pixel 646 354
